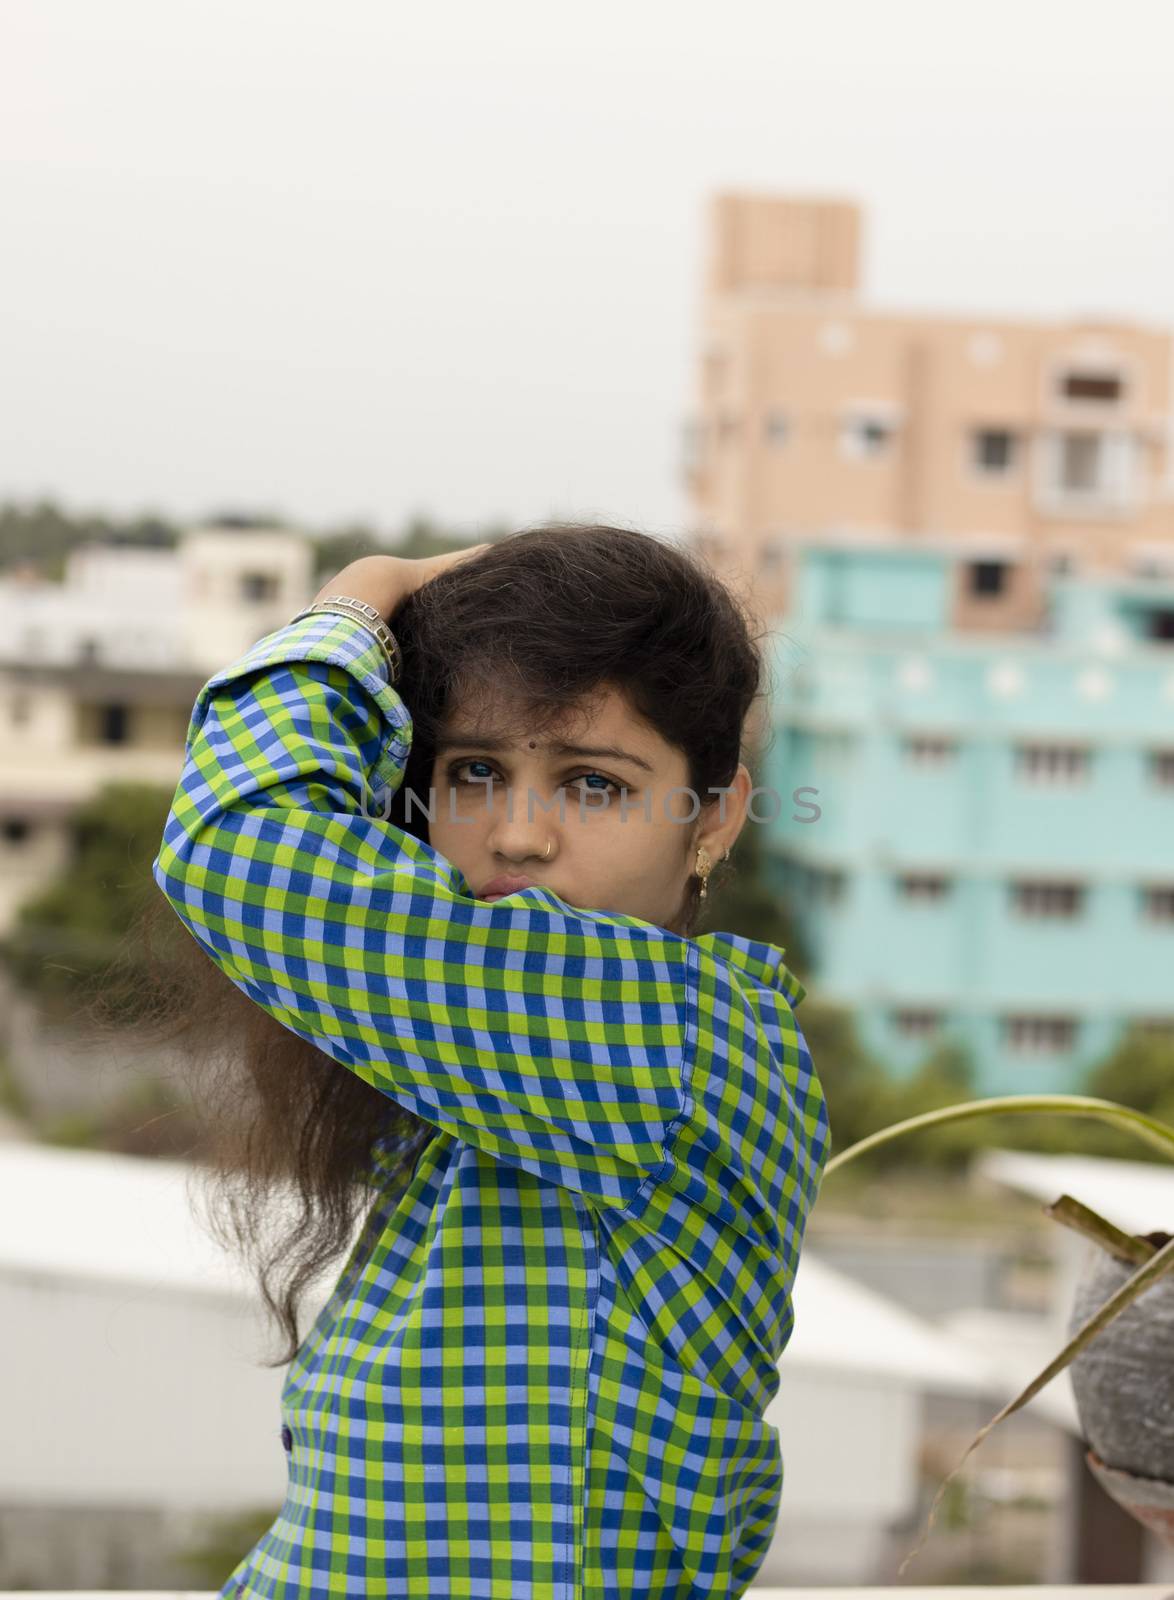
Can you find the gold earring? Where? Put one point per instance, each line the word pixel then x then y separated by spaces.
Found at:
pixel 704 867
pixel 546 855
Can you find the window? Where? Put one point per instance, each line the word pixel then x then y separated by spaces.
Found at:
pixel 1038 898
pixel 1080 462
pixel 915 1024
pixel 828 884
pixel 1037 1035
pixel 1162 768
pixel 1158 903
pixel 776 427
pixel 113 724
pixel 258 586
pixel 1158 622
pixel 818 884
pixel 987 577
pixel 994 451
pixel 1102 387
pixel 925 888
pixel 1052 763
pixel 15 830
pixel 1088 469
pixel 928 750
pixel 865 434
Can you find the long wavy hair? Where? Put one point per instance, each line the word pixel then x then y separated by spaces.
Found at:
pixel 286 1136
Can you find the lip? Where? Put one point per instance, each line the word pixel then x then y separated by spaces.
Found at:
pixel 504 883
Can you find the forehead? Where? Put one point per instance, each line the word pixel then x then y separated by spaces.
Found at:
pixel 605 717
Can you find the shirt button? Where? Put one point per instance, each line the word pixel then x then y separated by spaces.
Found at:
pixel 286 1438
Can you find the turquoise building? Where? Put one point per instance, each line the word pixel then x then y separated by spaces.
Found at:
pixel 975 831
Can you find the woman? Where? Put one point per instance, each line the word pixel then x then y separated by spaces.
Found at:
pixel 543 1370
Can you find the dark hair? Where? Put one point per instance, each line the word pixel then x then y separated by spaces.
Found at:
pixel 549 616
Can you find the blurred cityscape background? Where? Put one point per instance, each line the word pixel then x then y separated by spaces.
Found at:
pixel 958 530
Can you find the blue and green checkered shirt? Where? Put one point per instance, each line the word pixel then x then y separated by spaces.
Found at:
pixel 543 1370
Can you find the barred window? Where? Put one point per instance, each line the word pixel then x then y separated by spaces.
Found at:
pixel 928 750
pixel 1158 902
pixel 917 1023
pixel 993 450
pixel 923 887
pixel 1052 763
pixel 1038 898
pixel 1039 1035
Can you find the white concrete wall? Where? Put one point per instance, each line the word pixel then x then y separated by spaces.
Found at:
pixel 216 621
pixel 849 1449
pixel 126 1395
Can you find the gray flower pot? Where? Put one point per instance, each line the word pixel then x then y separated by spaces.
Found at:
pixel 1124 1389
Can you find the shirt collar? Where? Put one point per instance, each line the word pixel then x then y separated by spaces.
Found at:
pixel 762 961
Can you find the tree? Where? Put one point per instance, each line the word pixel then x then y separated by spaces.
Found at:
pixel 43 534
pixel 745 903
pixel 69 933
pixel 423 537
pixel 341 546
pixel 1139 1072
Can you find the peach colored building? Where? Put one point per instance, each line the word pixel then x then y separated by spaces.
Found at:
pixel 1030 446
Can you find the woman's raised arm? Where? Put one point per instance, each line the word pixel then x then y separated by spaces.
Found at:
pixel 555 1038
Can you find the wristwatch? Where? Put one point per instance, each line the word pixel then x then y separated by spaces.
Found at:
pixel 346 605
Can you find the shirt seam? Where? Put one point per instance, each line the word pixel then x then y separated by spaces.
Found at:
pixel 586 1431
pixel 688 1061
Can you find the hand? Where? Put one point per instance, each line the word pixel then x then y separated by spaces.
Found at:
pixel 385 582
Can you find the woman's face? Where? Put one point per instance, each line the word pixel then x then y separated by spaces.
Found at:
pixel 597 809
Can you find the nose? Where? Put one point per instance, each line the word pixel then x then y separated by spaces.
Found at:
pixel 525 826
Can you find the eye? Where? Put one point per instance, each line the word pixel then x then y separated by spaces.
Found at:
pixel 480 778
pixel 610 782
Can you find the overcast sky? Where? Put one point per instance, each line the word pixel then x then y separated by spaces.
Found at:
pixel 361 259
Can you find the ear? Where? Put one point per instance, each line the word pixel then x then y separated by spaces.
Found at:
pixel 720 823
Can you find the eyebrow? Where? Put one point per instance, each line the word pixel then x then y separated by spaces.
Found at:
pixel 558 748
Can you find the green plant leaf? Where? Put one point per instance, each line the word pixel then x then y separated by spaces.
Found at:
pixel 1150 1129
pixel 1106 1235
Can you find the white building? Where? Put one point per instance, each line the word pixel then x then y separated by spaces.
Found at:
pixel 99 673
pixel 190 609
pixel 854 1384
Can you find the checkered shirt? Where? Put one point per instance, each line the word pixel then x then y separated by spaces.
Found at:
pixel 543 1370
